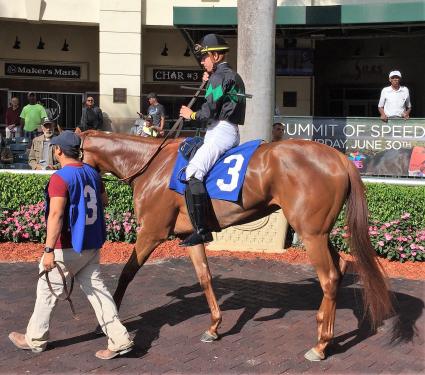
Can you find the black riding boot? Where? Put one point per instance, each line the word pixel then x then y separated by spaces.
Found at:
pixel 197 206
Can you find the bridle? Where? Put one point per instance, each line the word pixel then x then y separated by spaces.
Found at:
pixel 67 292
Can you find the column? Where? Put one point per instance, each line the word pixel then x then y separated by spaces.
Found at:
pixel 120 61
pixel 256 56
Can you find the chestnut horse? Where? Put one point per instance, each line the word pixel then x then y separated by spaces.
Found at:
pixel 309 181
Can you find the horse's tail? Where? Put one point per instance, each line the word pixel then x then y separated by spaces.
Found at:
pixel 377 300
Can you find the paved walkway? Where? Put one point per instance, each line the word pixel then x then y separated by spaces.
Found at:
pixel 269 322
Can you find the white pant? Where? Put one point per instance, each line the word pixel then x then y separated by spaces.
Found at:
pixel 85 267
pixel 220 137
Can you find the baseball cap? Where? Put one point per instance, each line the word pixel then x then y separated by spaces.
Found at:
pixel 31 93
pixel 67 140
pixel 394 73
pixel 46 121
pixel 151 95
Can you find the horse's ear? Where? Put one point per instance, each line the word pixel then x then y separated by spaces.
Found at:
pixel 78 130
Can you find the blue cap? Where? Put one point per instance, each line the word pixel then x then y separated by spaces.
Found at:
pixel 67 140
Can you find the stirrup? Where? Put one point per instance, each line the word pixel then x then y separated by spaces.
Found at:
pixel 196 239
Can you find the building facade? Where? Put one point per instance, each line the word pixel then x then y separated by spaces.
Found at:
pixel 332 57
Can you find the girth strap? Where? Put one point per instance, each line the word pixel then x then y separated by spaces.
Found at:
pixel 67 292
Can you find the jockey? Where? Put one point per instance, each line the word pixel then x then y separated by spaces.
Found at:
pixel 224 111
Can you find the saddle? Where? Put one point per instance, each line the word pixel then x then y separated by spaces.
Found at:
pixel 189 147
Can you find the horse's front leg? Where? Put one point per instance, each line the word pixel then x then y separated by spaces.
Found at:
pixel 143 248
pixel 200 262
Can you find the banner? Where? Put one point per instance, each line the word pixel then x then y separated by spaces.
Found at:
pixel 394 148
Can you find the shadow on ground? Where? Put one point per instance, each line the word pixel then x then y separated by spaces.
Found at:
pixel 252 296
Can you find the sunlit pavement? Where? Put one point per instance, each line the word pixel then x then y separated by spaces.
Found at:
pixel 268 310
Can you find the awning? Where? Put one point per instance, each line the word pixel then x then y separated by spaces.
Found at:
pixel 351 14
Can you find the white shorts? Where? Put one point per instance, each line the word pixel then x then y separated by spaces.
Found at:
pixel 220 137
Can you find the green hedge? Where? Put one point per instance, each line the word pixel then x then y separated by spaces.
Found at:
pixel 18 190
pixel 386 202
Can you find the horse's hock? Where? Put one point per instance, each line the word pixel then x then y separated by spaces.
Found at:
pixel 266 234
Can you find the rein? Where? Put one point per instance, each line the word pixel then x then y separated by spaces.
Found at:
pixel 175 129
pixel 67 292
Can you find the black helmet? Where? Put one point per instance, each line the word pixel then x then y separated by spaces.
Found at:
pixel 211 43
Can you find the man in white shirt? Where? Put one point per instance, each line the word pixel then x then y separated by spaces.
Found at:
pixel 395 99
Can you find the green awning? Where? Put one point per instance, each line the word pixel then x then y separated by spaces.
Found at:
pixel 371 13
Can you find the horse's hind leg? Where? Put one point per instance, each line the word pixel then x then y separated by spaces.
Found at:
pixel 330 269
pixel 200 262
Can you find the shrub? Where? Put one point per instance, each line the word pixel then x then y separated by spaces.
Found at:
pixel 121 227
pixel 25 224
pixel 28 224
pixel 26 189
pixel 395 240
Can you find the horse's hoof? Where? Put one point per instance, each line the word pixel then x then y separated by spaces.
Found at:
pixel 208 337
pixel 314 356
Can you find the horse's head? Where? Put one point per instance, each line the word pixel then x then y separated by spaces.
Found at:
pixel 87 149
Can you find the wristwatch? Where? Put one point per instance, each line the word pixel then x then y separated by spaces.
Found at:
pixel 48 250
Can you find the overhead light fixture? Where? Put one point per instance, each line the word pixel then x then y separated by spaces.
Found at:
pixel 41 44
pixel 164 50
pixel 17 44
pixel 381 51
pixel 187 52
pixel 65 46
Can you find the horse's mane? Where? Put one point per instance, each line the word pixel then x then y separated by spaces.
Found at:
pixel 131 151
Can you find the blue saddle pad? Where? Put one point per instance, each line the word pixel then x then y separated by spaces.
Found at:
pixel 224 181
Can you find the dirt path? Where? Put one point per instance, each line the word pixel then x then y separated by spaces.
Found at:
pixel 119 252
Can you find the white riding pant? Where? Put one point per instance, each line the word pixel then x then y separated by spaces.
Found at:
pixel 220 137
pixel 85 267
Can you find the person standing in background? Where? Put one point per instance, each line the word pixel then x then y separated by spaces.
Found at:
pixel 157 111
pixel 12 120
pixel 395 99
pixel 277 132
pixel 41 154
pixel 32 116
pixel 91 117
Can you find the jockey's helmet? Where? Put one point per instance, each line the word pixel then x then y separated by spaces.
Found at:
pixel 210 43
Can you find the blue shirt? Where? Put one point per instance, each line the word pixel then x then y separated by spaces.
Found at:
pixel 85 216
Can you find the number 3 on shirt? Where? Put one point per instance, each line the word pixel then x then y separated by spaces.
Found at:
pixel 91 202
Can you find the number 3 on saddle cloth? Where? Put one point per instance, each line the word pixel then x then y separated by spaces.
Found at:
pixel 225 180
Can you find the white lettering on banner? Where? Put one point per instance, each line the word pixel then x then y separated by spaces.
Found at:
pixel 91 203
pixel 335 143
pixel 233 171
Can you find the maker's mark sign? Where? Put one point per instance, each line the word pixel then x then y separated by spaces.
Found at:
pixel 46 71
